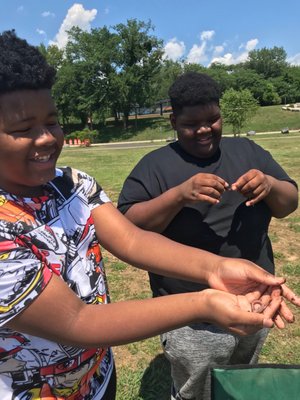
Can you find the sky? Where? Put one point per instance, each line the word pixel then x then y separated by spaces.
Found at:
pixel 198 31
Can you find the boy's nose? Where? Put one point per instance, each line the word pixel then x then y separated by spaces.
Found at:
pixel 45 136
pixel 204 128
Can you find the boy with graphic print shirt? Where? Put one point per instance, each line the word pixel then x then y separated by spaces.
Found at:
pixel 56 324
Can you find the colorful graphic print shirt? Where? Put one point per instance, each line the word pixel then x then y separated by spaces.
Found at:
pixel 52 234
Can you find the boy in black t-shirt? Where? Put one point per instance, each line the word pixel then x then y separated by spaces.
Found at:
pixel 214 194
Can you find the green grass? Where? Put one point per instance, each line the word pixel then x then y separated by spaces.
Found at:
pixel 143 373
pixel 267 119
pixel 271 118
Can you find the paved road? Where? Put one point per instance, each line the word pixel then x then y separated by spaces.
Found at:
pixel 161 142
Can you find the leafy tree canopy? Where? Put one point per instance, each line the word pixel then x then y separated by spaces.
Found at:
pixel 237 108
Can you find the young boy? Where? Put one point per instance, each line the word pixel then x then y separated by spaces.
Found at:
pixel 56 325
pixel 214 194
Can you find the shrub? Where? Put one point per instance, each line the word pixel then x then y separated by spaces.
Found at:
pixel 83 135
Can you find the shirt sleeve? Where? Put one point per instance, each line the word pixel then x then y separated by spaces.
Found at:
pixel 142 184
pixel 22 278
pixel 269 166
pixel 86 186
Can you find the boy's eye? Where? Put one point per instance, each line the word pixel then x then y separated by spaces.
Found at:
pixel 23 130
pixel 189 125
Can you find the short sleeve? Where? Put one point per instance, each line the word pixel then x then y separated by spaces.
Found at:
pixel 141 185
pixel 269 166
pixel 22 278
pixel 92 190
pixel 75 181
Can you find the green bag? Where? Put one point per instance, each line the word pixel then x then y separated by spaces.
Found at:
pixel 255 382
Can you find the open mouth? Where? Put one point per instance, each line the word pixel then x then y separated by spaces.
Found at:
pixel 42 158
pixel 204 139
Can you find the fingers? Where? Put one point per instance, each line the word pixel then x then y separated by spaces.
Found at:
pixel 248 323
pixel 273 306
pixel 254 185
pixel 256 199
pixel 285 313
pixel 257 274
pixel 206 187
pixel 244 180
pixel 271 310
pixel 288 294
pixel 212 197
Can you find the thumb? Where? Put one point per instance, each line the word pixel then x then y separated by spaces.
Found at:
pixel 259 275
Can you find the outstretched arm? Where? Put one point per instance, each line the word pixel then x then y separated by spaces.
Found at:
pixel 57 314
pixel 160 255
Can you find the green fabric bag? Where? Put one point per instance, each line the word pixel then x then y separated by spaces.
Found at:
pixel 255 382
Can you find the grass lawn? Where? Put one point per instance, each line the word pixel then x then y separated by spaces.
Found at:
pixel 142 371
pixel 151 127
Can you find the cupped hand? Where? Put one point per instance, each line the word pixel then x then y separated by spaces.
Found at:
pixel 233 312
pixel 254 185
pixel 242 277
pixel 203 187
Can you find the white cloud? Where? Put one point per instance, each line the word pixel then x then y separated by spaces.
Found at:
pixel 197 54
pixel 294 60
pixel 207 35
pixel 204 51
pixel 218 49
pixel 48 14
pixel 20 8
pixel 229 58
pixel 76 16
pixel 40 32
pixel 106 11
pixel 251 44
pixel 174 49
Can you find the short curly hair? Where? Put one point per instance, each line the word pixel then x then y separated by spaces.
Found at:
pixel 22 66
pixel 193 88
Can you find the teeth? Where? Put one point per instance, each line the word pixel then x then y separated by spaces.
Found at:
pixel 42 158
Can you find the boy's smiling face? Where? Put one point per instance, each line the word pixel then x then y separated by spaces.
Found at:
pixel 199 129
pixel 30 141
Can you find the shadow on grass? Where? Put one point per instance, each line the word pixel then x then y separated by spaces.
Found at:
pixel 156 381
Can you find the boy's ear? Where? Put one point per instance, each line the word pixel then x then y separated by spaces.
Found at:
pixel 173 121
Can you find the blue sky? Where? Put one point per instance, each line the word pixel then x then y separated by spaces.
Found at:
pixel 200 31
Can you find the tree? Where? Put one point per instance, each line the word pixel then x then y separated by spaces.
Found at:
pixel 270 96
pixel 268 62
pixel 53 55
pixel 288 85
pixel 222 74
pixel 138 62
pixel 92 56
pixel 237 108
pixel 168 72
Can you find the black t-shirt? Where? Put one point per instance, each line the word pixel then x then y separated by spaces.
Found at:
pixel 229 228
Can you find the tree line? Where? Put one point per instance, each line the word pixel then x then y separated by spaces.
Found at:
pixel 114 71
